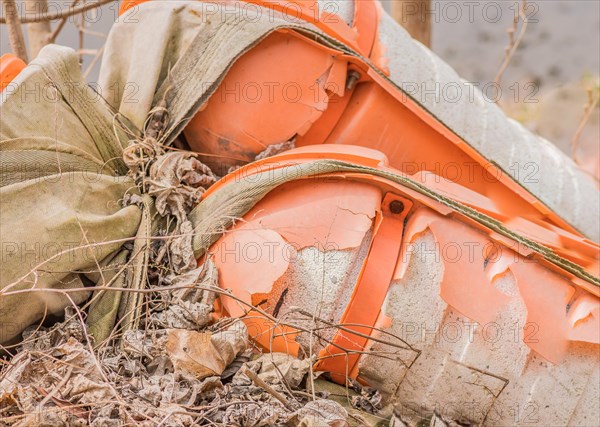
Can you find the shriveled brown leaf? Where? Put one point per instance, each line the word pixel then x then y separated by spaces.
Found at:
pixel 203 354
pixel 253 415
pixel 275 149
pixel 344 396
pixel 180 248
pixel 85 390
pixel 184 315
pixel 11 377
pixel 277 368
pixel 237 364
pixel 138 343
pixel 368 400
pixel 193 283
pixel 191 306
pixel 65 405
pixel 320 413
pixel 177 179
pixel 395 421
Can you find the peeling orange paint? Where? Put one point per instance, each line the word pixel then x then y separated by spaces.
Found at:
pixel 248 263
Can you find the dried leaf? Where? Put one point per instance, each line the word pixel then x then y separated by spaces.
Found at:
pixel 202 354
pixel 252 415
pixel 11 377
pixel 110 412
pixel 180 248
pixel 177 179
pixel 86 390
pixel 320 413
pixel 184 315
pixel 343 395
pixel 272 368
pixel 275 149
pixel 237 364
pixel 209 385
pixel 369 399
pixel 395 421
pixel 138 343
pixel 205 275
pixel 67 406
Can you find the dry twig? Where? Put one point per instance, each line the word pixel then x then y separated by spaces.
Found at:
pixel 514 43
pixel 39 33
pixel 592 103
pixel 15 32
pixel 266 387
pixel 55 15
pixel 61 24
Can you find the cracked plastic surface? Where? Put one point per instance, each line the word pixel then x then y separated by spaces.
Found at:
pixel 488 332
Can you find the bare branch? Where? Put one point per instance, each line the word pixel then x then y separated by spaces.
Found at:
pixel 94 61
pixel 39 32
pixel 592 102
pixel 61 24
pixel 514 43
pixel 53 16
pixel 15 32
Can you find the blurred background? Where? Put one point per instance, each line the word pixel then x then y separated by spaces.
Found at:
pixel 543 72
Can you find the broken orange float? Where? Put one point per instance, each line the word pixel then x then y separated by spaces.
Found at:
pixel 325 95
pixel 342 100
pixel 276 259
pixel 10 67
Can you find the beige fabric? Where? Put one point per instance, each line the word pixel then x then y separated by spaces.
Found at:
pixel 60 191
pixel 192 51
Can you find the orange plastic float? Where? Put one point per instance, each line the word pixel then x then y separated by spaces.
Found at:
pixel 10 67
pixel 336 213
pixel 347 246
pixel 324 96
pixel 461 307
pixel 321 95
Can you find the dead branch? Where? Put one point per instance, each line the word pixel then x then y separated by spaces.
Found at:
pixel 53 16
pixel 95 60
pixel 80 28
pixel 266 387
pixel 592 102
pixel 15 32
pixel 39 32
pixel 61 24
pixel 514 43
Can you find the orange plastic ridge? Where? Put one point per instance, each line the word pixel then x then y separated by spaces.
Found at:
pixel 585 249
pixel 572 246
pixel 342 355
